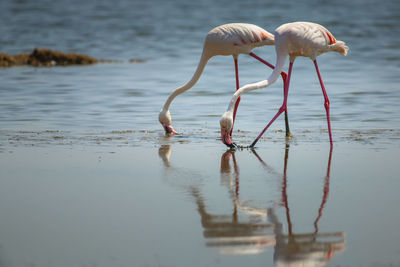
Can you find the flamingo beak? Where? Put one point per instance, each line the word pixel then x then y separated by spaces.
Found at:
pixel 168 129
pixel 226 139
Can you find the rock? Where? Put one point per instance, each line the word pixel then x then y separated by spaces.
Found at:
pixel 9 61
pixel 45 57
pixel 49 58
pixel 136 60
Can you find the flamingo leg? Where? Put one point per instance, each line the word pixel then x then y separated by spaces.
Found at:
pixel 284 78
pixel 237 87
pixel 281 109
pixel 326 104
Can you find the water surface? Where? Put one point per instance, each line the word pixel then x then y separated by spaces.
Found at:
pixel 87 177
pixel 190 204
pixel 363 87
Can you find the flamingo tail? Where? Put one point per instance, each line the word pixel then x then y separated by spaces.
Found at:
pixel 340 47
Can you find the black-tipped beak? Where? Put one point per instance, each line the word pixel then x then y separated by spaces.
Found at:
pixel 231 145
pixel 226 139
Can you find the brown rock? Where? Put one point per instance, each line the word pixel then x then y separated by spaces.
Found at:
pixel 46 57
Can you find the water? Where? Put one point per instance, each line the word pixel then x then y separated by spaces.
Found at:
pixel 186 205
pixel 362 86
pixel 88 139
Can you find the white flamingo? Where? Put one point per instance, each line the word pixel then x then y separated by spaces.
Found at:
pixel 228 39
pixel 294 39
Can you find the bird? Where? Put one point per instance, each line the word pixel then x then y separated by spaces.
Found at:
pixel 228 39
pixel 306 39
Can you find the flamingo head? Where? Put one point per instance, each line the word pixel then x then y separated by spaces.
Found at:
pixel 226 123
pixel 165 119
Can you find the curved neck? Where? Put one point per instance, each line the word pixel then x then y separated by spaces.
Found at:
pixel 280 62
pixel 200 67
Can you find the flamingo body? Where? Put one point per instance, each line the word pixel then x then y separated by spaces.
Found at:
pixel 228 39
pixel 294 39
pixel 236 38
pixel 306 39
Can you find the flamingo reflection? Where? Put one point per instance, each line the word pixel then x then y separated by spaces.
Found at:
pixel 231 234
pixel 245 230
pixel 234 234
pixel 251 230
pixel 303 249
pixel 165 152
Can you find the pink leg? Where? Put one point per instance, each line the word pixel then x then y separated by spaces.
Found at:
pixel 282 108
pixel 326 104
pixel 237 87
pixel 284 77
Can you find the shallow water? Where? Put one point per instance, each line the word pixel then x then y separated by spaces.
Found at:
pixel 87 177
pixel 363 87
pixel 188 204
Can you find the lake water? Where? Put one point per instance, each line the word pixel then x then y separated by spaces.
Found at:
pixel 87 177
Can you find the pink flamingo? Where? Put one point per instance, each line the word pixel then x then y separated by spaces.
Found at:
pixel 294 39
pixel 228 39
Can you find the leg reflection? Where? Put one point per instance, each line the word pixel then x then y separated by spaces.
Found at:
pixel 326 191
pixel 305 249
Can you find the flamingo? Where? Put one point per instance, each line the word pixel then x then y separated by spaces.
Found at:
pixel 228 39
pixel 294 39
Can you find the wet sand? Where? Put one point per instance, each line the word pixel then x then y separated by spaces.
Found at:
pixel 137 198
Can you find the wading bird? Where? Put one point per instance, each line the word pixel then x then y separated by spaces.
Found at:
pixel 295 39
pixel 228 39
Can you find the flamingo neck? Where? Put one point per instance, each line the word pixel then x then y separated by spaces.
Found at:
pixel 200 67
pixel 280 62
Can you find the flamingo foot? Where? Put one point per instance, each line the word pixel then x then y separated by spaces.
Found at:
pixel 288 135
